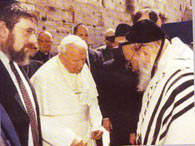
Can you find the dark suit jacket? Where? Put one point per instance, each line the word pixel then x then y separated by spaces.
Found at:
pixel 96 63
pixel 8 132
pixel 32 67
pixel 96 60
pixel 12 103
pixel 119 99
pixel 106 52
pixel 41 57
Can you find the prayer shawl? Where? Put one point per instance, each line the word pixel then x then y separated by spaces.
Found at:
pixel 68 103
pixel 168 114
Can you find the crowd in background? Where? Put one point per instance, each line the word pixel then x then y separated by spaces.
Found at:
pixel 137 88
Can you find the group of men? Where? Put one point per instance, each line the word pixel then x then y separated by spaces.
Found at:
pixel 74 94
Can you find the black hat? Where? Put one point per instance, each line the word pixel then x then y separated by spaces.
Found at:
pixel 121 30
pixel 144 31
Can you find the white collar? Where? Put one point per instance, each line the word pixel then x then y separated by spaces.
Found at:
pixel 4 58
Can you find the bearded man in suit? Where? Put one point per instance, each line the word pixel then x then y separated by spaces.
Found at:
pixel 17 30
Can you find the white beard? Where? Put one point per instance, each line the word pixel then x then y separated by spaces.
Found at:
pixel 144 75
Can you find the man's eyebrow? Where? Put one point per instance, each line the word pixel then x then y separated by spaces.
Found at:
pixel 30 29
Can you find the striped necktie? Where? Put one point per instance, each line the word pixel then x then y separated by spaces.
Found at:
pixel 29 107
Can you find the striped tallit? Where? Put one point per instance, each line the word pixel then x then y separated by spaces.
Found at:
pixel 168 114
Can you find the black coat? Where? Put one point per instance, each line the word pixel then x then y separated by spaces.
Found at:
pixel 41 57
pixel 96 61
pixel 119 99
pixel 8 132
pixel 32 67
pixel 12 103
pixel 106 52
pixel 96 66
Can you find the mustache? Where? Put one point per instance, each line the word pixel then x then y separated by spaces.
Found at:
pixel 31 46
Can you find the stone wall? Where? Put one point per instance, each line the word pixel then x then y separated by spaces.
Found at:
pixel 60 16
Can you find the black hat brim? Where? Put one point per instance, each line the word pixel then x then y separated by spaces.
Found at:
pixel 144 31
pixel 110 38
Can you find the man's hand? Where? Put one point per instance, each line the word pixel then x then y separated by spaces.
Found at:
pixel 107 124
pixel 96 134
pixel 78 142
pixel 132 138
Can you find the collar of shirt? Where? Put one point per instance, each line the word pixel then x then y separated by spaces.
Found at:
pixel 4 58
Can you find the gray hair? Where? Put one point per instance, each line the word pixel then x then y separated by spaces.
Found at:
pixel 69 40
pixel 47 33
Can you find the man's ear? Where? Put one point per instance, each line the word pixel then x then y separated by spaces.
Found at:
pixel 4 31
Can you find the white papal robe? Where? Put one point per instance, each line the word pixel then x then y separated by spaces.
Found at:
pixel 68 104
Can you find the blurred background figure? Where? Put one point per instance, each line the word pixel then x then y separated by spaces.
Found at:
pixel 45 42
pixel 107 48
pixel 182 29
pixel 119 102
pixel 94 58
pixel 33 65
pixel 33 48
pixel 149 14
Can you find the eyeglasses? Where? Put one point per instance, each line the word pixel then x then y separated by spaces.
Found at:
pixel 133 50
pixel 136 48
pixel 44 41
pixel 28 31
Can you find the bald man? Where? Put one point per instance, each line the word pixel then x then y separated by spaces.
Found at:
pixel 45 42
pixel 107 48
pixel 150 14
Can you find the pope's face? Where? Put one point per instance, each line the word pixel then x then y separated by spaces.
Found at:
pixel 74 58
pixel 19 38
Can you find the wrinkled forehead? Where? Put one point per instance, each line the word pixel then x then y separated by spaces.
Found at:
pixel 141 46
pixel 82 28
pixel 109 33
pixel 120 39
pixel 44 36
pixel 73 48
pixel 26 23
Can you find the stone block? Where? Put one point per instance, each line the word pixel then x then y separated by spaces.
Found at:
pixel 56 3
pixel 60 16
pixel 22 1
pixel 41 9
pixel 120 5
pixel 109 4
pixel 86 14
